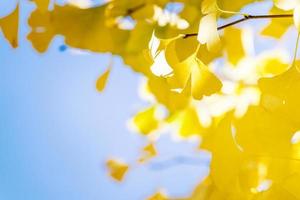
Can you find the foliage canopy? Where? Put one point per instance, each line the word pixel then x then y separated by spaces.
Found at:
pixel 244 107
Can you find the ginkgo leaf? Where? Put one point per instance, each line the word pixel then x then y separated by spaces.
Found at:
pixel 276 192
pixel 261 132
pixel 88 32
pixel 174 49
pixel 208 33
pixel 147 12
pixel 139 37
pixel 207 56
pixel 189 123
pixel 146 121
pixel 102 80
pixel 279 95
pixel 117 169
pixel 271 66
pixel 42 4
pixel 149 151
pixel 233 44
pixel 277 26
pixel 170 25
pixel 189 73
pixel 208 6
pixel 195 77
pixel 291 184
pixel 160 88
pixel 203 82
pixel 10 27
pixel 158 196
pixel 226 158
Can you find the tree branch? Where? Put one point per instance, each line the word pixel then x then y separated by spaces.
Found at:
pixel 179 160
pixel 245 18
pixel 130 11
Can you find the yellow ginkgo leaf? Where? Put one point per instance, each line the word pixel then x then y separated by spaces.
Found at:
pixel 279 95
pixel 277 26
pixel 158 196
pixel 146 121
pixel 291 184
pixel 262 132
pixel 226 158
pixel 208 32
pixel 117 169
pixel 233 44
pixel 189 123
pixel 174 50
pixel 86 29
pixel 208 6
pixel 271 66
pixel 102 80
pixel 149 151
pixel 10 27
pixel 207 56
pixel 190 73
pixel 195 78
pixel 42 5
pixel 161 90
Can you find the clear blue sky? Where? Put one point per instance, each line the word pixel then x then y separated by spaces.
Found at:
pixel 56 131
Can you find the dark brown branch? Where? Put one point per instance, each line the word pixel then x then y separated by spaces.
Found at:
pixel 245 18
pixel 130 11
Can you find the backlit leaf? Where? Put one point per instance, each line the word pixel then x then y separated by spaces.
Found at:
pixel 10 27
pixel 102 80
pixel 117 169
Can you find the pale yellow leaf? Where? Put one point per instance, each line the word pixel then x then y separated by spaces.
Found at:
pixel 146 121
pixel 286 4
pixel 208 33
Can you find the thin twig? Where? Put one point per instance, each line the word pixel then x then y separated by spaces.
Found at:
pixel 130 11
pixel 179 160
pixel 245 18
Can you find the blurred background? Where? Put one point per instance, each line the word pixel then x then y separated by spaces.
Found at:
pixel 57 131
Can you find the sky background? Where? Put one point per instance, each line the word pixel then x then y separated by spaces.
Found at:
pixel 56 130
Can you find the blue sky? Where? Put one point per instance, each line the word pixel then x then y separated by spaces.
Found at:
pixel 56 130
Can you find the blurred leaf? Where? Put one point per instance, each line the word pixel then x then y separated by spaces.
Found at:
pixel 10 27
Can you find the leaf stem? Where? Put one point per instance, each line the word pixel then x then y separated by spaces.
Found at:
pixel 245 18
pixel 230 12
pixel 296 49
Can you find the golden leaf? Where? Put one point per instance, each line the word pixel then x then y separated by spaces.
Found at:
pixel 10 27
pixel 117 169
pixel 102 80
